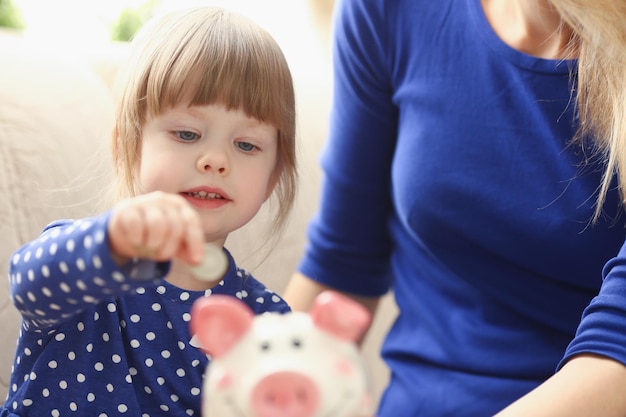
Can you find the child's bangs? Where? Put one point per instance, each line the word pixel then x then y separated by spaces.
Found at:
pixel 252 83
pixel 237 66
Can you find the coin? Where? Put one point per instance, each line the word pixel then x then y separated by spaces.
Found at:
pixel 213 265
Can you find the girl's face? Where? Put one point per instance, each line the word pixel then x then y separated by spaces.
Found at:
pixel 219 160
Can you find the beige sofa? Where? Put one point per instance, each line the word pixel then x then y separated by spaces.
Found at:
pixel 56 107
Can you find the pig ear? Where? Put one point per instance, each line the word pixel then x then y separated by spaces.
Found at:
pixel 340 315
pixel 218 321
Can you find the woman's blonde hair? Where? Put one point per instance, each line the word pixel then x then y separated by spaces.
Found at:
pixel 599 28
pixel 216 57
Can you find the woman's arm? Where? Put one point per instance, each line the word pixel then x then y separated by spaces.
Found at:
pixel 302 290
pixel 587 386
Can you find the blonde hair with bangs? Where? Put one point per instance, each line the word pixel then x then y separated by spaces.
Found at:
pixel 599 28
pixel 215 57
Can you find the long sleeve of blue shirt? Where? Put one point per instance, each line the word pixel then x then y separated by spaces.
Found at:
pixel 603 325
pixel 68 269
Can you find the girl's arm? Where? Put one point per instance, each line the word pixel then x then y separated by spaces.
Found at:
pixel 75 264
pixel 586 386
pixel 68 268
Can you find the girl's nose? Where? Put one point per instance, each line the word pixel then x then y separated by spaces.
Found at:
pixel 213 161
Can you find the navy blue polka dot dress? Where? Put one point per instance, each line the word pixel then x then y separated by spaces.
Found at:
pixel 98 340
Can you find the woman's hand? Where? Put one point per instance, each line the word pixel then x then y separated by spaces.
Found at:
pixel 158 226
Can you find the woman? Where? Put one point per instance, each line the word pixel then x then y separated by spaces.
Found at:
pixel 451 177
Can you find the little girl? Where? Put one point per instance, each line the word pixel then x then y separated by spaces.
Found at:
pixel 205 133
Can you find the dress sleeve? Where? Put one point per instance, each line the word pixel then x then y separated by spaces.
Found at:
pixel 68 268
pixel 603 325
pixel 348 239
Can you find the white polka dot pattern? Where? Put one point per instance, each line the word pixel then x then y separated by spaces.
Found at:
pixel 99 340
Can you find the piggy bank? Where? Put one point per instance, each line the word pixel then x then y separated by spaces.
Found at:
pixel 282 365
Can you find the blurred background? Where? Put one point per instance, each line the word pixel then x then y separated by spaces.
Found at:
pixel 88 25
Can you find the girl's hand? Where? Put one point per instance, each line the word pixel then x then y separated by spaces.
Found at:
pixel 158 226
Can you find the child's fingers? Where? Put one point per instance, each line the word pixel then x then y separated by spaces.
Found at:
pixel 125 229
pixel 188 231
pixel 156 226
pixel 166 236
pixel 193 235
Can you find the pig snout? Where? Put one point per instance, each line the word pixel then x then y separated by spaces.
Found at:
pixel 285 394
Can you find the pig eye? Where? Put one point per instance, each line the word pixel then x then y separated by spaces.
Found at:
pixel 265 346
pixel 297 343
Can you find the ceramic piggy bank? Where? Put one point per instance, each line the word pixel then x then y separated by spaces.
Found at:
pixel 282 365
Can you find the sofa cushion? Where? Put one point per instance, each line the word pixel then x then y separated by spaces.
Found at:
pixel 55 116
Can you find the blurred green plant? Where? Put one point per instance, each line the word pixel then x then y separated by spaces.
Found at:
pixel 10 15
pixel 131 20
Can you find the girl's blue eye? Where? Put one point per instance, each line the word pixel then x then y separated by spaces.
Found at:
pixel 186 136
pixel 245 146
